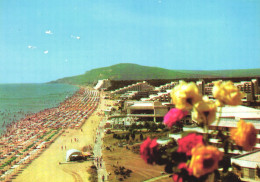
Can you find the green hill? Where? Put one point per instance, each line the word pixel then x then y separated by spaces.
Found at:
pixel 127 71
pixel 229 73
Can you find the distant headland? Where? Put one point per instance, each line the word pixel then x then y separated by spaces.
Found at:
pixel 129 71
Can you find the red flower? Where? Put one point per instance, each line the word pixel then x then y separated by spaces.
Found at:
pixel 177 178
pixel 173 116
pixel 148 150
pixel 188 142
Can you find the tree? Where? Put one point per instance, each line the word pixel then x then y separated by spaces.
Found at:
pixel 146 125
pixel 153 127
pixel 127 137
pixel 140 126
pixel 161 126
pixel 114 135
pixel 133 136
pixel 134 126
pixel 141 137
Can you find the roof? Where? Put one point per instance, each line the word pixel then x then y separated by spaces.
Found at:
pixel 140 105
pixel 72 152
pixel 163 142
pixel 144 104
pixel 232 123
pixel 249 160
pixel 230 116
pixel 175 136
pixel 240 112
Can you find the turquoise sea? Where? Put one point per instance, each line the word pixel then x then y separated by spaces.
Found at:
pixel 17 100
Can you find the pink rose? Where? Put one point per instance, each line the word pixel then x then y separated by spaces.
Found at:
pixel 173 116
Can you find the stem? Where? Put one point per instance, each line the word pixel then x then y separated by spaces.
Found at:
pixel 206 130
pixel 220 112
pixel 206 126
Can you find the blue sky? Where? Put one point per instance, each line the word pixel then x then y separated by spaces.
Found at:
pixel 44 40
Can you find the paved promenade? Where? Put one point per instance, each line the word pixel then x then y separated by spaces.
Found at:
pixel 99 162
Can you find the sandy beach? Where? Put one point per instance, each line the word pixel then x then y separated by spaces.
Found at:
pixel 51 166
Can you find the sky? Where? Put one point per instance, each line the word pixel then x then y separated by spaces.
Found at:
pixel 45 40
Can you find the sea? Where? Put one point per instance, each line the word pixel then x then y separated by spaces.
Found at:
pixel 18 100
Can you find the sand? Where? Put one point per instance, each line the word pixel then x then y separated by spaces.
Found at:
pixel 46 167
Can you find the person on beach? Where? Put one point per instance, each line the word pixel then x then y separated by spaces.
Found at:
pixel 63 116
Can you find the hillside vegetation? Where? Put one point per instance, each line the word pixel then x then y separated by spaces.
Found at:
pixel 127 71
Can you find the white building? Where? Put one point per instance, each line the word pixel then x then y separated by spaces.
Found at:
pixel 248 163
pixel 146 110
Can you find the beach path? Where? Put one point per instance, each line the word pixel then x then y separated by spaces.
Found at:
pixel 46 167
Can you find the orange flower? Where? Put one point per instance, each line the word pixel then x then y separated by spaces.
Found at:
pixel 204 112
pixel 227 93
pixel 244 135
pixel 204 160
pixel 185 95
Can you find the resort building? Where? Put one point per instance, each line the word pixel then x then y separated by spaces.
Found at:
pixel 140 86
pixel 248 165
pixel 137 95
pixel 167 86
pixel 256 88
pixel 232 114
pixel 208 89
pixel 145 92
pixel 249 87
pixel 161 97
pixel 146 110
pixel 201 85
pixel 228 119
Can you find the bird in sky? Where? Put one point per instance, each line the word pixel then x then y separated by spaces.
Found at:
pixel 48 32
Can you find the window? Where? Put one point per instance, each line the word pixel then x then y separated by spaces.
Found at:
pixel 251 173
pixel 142 111
pixel 246 172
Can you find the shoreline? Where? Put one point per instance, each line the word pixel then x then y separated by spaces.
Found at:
pixel 30 137
pixel 24 109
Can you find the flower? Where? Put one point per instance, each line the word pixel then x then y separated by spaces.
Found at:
pixel 148 150
pixel 227 93
pixel 173 116
pixel 244 135
pixel 204 159
pixel 204 112
pixel 177 178
pixel 185 95
pixel 188 142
